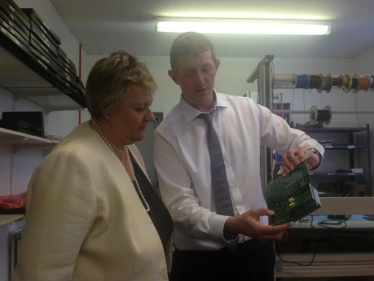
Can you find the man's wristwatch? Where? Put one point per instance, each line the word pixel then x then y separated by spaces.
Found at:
pixel 229 236
pixel 315 151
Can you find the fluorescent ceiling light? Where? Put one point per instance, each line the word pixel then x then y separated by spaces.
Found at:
pixel 243 26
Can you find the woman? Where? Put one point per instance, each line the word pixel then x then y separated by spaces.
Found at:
pixel 91 211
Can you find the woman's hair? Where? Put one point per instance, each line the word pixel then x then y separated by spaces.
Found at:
pixel 190 43
pixel 108 80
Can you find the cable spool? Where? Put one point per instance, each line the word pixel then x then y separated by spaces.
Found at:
pixel 313 115
pixel 356 83
pixel 337 82
pixel 301 81
pixel 365 83
pixel 315 81
pixel 326 85
pixel 347 83
pixel 329 113
pixel 371 83
pixel 320 115
pixel 345 80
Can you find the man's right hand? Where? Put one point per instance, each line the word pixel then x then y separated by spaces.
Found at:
pixel 249 224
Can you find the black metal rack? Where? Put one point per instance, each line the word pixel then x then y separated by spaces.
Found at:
pixel 33 65
pixel 356 142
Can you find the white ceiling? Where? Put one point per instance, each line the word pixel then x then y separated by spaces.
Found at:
pixel 105 26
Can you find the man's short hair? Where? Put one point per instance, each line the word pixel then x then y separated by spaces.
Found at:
pixel 190 43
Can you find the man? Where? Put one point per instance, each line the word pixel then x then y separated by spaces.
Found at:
pixel 211 246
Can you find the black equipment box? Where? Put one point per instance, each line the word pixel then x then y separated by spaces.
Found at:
pixel 15 35
pixel 16 12
pixel 13 21
pixel 27 37
pixel 35 19
pixel 66 62
pixel 29 122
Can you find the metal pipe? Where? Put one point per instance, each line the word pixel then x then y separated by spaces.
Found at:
pixel 278 79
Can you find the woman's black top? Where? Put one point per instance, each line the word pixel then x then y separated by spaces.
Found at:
pixel 158 212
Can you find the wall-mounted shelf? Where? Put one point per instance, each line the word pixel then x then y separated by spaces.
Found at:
pixel 24 82
pixel 341 146
pixel 4 219
pixel 23 141
pixel 325 130
pixel 35 75
pixel 336 174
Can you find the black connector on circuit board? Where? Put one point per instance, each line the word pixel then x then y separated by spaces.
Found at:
pixel 292 197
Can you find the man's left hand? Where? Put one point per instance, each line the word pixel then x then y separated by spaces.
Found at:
pixel 295 156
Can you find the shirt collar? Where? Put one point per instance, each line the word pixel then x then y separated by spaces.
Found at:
pixel 190 113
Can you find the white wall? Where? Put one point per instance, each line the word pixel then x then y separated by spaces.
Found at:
pixel 233 73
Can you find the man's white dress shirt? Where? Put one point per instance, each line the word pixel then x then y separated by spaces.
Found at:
pixel 183 164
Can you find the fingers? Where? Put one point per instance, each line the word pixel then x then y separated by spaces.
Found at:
pixel 274 232
pixel 292 159
pixel 249 224
pixel 289 161
pixel 261 212
pixel 281 227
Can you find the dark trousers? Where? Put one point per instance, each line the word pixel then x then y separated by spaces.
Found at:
pixel 254 265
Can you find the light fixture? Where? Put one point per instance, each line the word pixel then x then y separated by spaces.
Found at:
pixel 243 26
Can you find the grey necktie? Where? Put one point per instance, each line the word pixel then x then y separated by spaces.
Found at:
pixel 217 168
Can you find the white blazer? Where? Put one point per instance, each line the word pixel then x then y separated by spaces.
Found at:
pixel 84 219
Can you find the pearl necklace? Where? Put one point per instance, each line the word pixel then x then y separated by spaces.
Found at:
pixel 103 136
pixel 136 181
pixel 130 163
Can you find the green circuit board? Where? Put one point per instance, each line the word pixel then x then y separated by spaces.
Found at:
pixel 292 196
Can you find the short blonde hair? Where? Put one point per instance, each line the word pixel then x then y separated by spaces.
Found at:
pixel 108 80
pixel 190 43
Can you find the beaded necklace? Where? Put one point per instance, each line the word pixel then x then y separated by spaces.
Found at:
pixel 130 163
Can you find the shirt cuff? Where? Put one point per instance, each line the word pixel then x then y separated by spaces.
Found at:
pixel 216 225
pixel 217 229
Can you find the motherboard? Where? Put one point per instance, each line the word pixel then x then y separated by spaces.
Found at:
pixel 292 196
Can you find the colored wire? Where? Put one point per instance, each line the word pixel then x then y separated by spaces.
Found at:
pixel 302 81
pixel 327 84
pixel 332 224
pixel 365 83
pixel 323 115
pixel 371 81
pixel 354 83
pixel 337 82
pixel 345 81
pixel 298 263
pixel 314 81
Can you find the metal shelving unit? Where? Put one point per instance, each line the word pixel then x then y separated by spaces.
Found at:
pixel 357 146
pixel 354 142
